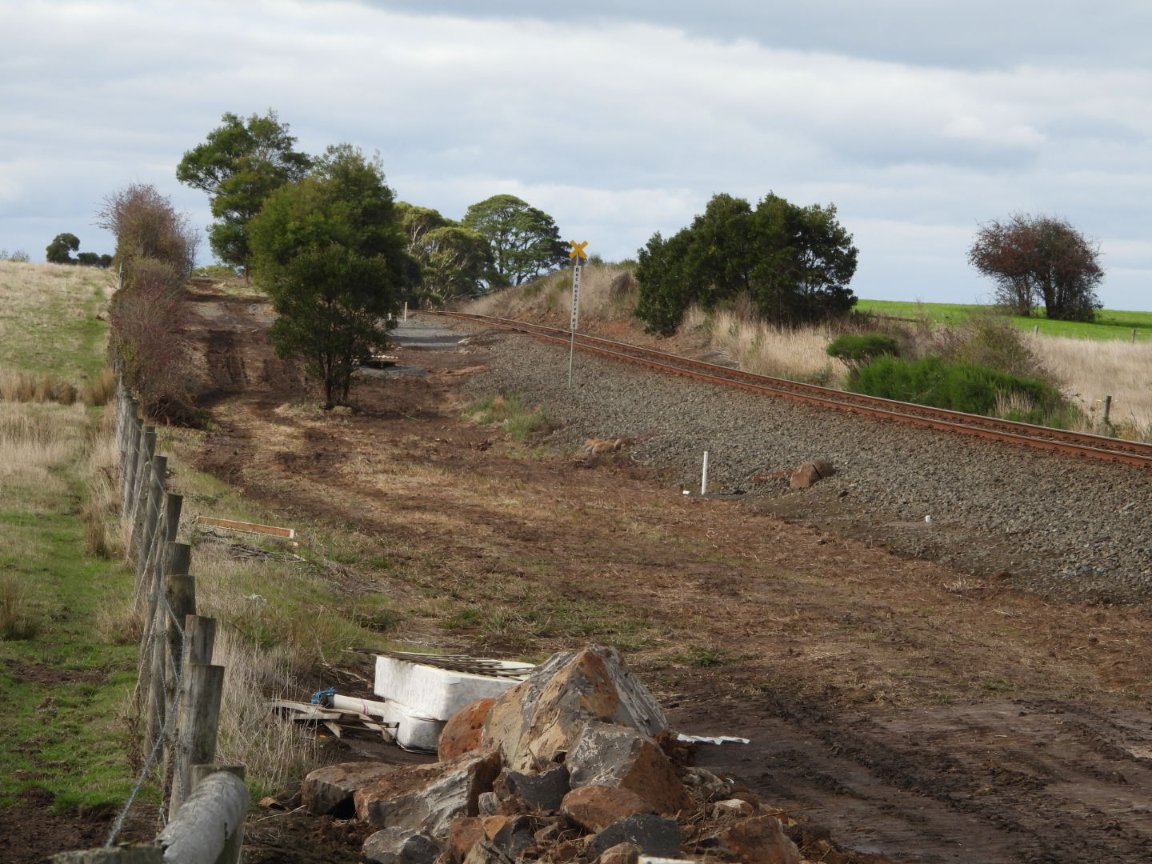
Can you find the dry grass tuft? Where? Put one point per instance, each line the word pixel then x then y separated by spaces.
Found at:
pixel 35 438
pixel 101 512
pixel 19 386
pixel 18 620
pixel 277 754
pixel 101 389
pixel 1090 370
pixel 764 349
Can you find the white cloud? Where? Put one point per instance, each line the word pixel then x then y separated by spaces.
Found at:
pixel 618 119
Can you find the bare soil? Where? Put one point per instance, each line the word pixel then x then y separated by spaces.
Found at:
pixel 901 708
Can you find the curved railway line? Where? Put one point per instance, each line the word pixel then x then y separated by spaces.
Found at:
pixel 1078 444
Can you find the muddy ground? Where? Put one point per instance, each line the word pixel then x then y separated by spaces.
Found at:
pixel 902 708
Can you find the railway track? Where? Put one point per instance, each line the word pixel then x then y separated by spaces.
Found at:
pixel 1078 444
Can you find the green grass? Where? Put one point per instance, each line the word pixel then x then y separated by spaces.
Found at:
pixel 62 686
pixel 510 412
pixel 62 689
pixel 48 319
pixel 1110 323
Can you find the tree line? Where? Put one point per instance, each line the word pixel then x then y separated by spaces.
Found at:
pixel 338 255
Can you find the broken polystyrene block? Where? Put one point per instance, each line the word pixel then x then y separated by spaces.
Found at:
pixel 710 739
pixel 436 692
pixel 413 732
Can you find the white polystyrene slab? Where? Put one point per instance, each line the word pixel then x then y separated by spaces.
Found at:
pixel 438 693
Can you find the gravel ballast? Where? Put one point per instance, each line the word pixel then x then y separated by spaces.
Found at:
pixel 1053 524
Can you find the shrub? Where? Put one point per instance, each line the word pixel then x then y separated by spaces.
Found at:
pixel 510 413
pixel 958 386
pixel 857 349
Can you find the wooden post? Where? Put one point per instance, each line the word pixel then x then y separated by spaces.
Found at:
pixel 199 719
pixel 150 524
pixel 199 640
pixel 180 594
pixel 145 450
pixel 1107 409
pixel 210 825
pixel 173 504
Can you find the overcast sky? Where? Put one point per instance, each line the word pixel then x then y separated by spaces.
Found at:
pixel 918 119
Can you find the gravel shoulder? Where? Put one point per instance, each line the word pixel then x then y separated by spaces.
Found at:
pixel 1045 523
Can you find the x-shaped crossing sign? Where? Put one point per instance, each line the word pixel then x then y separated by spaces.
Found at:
pixel 578 252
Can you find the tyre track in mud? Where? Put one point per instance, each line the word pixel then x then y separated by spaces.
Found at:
pixel 1042 782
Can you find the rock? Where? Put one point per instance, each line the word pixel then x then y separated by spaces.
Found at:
pixel 709 786
pixel 399 846
pixel 461 734
pixel 464 833
pixel 428 797
pixel 607 755
pixel 594 808
pixel 732 807
pixel 656 836
pixel 329 790
pixel 537 721
pixel 488 804
pixel 621 853
pixel 512 835
pixel 760 840
pixel 543 791
pixel 809 473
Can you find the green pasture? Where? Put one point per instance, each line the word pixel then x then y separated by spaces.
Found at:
pixel 1109 324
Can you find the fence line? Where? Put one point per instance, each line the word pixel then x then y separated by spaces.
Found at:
pixel 179 690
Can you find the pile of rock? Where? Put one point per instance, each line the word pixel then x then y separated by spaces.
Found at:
pixel 576 764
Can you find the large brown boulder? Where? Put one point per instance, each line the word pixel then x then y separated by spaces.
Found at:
pixel 607 755
pixel 329 790
pixel 760 840
pixel 537 721
pixel 594 808
pixel 426 798
pixel 461 734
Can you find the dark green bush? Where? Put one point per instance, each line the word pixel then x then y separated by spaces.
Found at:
pixel 961 387
pixel 856 349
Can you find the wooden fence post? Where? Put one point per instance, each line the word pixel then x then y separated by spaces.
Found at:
pixel 199 719
pixel 210 824
pixel 145 450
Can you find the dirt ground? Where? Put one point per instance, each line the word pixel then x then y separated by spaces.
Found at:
pixel 901 708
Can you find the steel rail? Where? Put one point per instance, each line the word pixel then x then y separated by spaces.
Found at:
pixel 989 428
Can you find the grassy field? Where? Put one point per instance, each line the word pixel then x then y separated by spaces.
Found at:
pixel 1110 323
pixel 62 683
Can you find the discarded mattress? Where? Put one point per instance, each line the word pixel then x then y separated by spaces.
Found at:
pixel 421 691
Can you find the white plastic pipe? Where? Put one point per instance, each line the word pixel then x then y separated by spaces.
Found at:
pixel 360 706
pixel 704 476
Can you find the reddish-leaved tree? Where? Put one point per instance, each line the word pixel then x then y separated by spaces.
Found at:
pixel 1040 260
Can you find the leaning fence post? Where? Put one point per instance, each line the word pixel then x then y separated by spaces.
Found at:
pixel 210 825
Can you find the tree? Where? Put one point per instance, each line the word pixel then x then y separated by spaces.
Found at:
pixel 1040 259
pixel 525 241
pixel 147 227
pixel 155 249
pixel 794 263
pixel 240 164
pixel 329 251
pixel 60 249
pixel 451 261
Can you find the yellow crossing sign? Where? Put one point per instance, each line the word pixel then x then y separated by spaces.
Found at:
pixel 578 252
